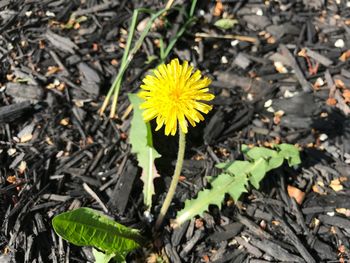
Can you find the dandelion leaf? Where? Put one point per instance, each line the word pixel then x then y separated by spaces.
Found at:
pixel 239 168
pixel 87 227
pixel 142 145
pixel 290 153
pixel 274 159
pixel 236 177
pixel 257 172
pixel 274 162
pixel 261 152
pixel 223 184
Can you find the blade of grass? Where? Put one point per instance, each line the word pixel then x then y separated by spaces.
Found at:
pixel 128 55
pixel 125 55
pixel 126 63
pixel 165 53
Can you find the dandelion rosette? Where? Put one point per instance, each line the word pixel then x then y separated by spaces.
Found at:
pixel 174 95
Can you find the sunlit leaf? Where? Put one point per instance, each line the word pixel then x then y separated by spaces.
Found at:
pixel 142 146
pixel 87 227
pixel 290 153
pixel 223 184
pixel 236 176
pixel 261 152
pixel 257 172
pixel 101 257
pixel 226 23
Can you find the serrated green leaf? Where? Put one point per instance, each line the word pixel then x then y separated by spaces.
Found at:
pixel 275 159
pixel 257 172
pixel 225 23
pixel 290 153
pixel 222 165
pixel 239 168
pixel 237 176
pixel 87 227
pixel 274 162
pixel 235 185
pixel 224 183
pixel 142 145
pixel 260 152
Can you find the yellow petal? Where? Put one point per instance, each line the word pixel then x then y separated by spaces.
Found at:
pixel 175 96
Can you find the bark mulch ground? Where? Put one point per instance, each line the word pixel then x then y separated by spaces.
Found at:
pixel 282 74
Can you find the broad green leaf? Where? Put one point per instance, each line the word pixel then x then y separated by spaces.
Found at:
pixel 261 152
pixel 290 153
pixel 239 168
pixel 142 146
pixel 87 227
pixel 101 257
pixel 254 170
pixel 274 162
pixel 225 23
pixel 257 172
pixel 271 156
pixel 224 183
pixel 223 165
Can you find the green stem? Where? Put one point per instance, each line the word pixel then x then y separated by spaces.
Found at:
pixel 165 53
pixel 127 57
pixel 175 179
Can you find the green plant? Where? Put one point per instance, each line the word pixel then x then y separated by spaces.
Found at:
pixel 129 53
pixel 142 145
pixel 87 227
pixel 175 96
pixel 237 176
pixel 165 51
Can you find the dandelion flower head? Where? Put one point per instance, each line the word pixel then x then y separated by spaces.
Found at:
pixel 174 96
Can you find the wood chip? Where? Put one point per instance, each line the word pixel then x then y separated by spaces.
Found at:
pixel 296 193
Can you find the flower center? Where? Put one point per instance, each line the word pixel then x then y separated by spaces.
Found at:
pixel 176 94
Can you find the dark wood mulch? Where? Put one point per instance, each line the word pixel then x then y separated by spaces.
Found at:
pixel 56 153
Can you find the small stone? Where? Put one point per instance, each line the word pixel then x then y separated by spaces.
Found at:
pixel 339 43
pixel 280 67
pixel 241 61
pixel 234 42
pixel 224 60
pixel 22 167
pixel 323 137
pixel 11 151
pixel 289 94
pixel 59 154
pixel 259 12
pixel 50 14
pixel 64 121
pixel 270 109
pixel 318 83
pixel 268 103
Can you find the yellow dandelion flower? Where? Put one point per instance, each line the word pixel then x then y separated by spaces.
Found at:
pixel 174 95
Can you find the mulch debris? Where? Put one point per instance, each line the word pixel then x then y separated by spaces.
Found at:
pixel 282 74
